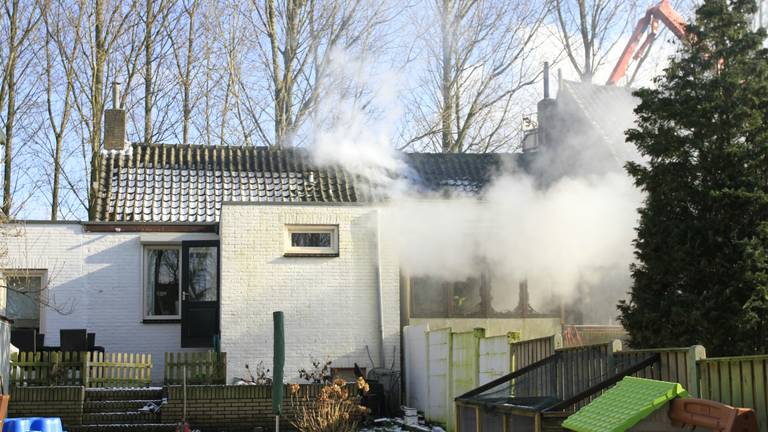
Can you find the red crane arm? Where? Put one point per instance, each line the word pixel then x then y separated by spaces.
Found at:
pixel 661 12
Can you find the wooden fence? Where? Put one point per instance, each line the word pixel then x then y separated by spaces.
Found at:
pixel 737 381
pixel 453 363
pixel 89 369
pixel 201 367
pixel 530 351
pixel 582 367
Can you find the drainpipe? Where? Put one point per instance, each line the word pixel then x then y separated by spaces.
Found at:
pixel 379 290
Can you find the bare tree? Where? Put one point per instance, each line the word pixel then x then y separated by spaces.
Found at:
pixel 108 21
pixel 589 29
pixel 296 44
pixel 62 45
pixel 157 46
pixel 21 23
pixel 478 61
pixel 184 57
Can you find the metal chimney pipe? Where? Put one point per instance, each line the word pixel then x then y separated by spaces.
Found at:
pixel 115 95
pixel 546 80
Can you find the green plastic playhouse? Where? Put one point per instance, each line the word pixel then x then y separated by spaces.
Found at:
pixel 630 401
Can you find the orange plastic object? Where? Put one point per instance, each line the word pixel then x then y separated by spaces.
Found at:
pixel 4 399
pixel 712 415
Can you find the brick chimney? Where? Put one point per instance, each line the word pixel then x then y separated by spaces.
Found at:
pixel 114 122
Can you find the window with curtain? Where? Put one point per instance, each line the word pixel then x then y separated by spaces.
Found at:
pixel 162 268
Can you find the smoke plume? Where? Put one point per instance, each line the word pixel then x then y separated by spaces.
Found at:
pixel 564 223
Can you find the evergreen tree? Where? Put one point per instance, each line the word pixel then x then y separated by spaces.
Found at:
pixel 701 275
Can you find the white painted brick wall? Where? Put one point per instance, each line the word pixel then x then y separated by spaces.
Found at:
pixel 330 304
pixel 97 276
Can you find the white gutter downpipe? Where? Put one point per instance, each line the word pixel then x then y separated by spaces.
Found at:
pixel 379 289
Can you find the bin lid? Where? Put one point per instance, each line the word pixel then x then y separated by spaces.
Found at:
pixel 624 405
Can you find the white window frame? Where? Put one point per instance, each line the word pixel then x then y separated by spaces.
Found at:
pixel 144 279
pixel 43 275
pixel 290 250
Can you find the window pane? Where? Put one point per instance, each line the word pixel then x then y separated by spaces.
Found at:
pixel 430 297
pixel 23 305
pixel 202 274
pixel 162 289
pixel 311 239
pixel 466 298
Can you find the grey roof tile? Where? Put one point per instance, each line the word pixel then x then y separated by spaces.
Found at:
pixel 188 183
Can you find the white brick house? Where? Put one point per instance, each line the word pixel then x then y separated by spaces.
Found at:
pixel 193 247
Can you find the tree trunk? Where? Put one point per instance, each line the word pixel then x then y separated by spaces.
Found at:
pixel 276 68
pixel 187 108
pixel 11 110
pixel 586 75
pixel 97 106
pixel 148 41
pixel 446 81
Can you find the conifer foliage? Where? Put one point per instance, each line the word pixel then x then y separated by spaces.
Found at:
pixel 701 275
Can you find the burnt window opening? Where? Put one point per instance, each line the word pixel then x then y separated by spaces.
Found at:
pixel 469 298
pixel 433 298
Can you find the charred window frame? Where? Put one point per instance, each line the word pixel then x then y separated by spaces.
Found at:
pixel 432 298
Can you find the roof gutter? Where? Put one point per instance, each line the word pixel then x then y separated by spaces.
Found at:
pixel 132 227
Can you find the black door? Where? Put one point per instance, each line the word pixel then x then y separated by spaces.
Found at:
pixel 199 293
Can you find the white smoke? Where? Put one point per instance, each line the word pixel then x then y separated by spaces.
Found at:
pixel 570 237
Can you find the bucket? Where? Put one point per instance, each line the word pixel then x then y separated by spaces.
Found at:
pixel 18 424
pixel 33 424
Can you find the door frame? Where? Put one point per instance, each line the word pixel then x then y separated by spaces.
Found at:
pixel 185 246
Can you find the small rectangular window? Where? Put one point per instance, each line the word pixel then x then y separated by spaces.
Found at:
pixel 25 292
pixel 162 282
pixel 311 240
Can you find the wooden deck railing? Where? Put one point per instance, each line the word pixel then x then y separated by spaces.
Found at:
pixel 202 367
pixel 89 369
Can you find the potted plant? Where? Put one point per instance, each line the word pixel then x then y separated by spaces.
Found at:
pixel 4 400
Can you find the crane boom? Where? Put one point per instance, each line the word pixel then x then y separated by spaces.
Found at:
pixel 661 12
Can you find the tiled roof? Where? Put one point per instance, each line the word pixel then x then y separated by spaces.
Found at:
pixel 624 405
pixel 189 183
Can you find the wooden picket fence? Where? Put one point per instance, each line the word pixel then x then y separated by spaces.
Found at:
pixel 201 367
pixel 89 369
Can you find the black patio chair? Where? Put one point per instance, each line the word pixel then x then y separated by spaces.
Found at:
pixel 24 339
pixel 92 347
pixel 73 340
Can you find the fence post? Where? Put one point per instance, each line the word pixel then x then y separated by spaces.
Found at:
pixel 86 367
pixel 695 353
pixel 614 347
pixel 557 339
